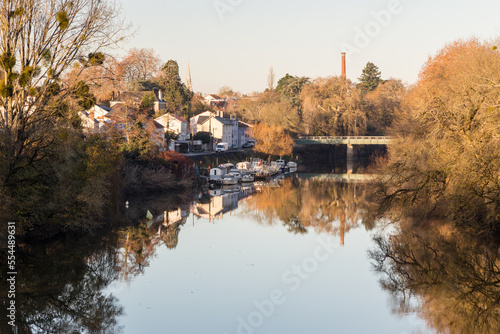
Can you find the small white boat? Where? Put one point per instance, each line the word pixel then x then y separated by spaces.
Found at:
pixel 229 180
pixel 291 164
pixel 235 173
pixel 247 178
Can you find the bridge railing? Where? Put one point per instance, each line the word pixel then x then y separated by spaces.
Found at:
pixel 344 137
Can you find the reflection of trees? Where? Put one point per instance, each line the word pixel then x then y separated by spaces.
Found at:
pixel 138 245
pixel 59 289
pixel 325 206
pixel 455 279
pixel 60 283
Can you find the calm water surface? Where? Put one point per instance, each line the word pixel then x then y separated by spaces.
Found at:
pixel 290 257
pixel 302 255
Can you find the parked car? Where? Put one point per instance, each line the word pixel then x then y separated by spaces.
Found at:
pixel 248 144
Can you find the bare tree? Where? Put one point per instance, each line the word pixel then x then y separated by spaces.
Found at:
pixel 40 40
pixel 140 64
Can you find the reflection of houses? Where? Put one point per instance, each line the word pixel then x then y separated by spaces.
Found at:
pixel 216 206
pixel 169 226
pixel 221 200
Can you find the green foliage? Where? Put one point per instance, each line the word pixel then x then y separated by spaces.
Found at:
pixel 6 90
pixel 370 77
pixel 62 20
pixel 171 135
pixel 26 75
pixel 138 143
pixel 7 61
pixel 175 93
pixel 86 99
pixel 203 136
pixel 148 103
pixel 96 58
pixel 290 88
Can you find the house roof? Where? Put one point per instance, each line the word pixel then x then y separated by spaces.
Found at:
pixel 244 125
pixel 224 121
pixel 85 114
pixel 179 118
pixel 121 111
pixel 164 118
pixel 202 119
pixel 103 107
pixel 158 125
pixel 213 96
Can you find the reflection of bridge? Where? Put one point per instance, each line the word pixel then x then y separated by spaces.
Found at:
pixel 348 178
pixel 346 140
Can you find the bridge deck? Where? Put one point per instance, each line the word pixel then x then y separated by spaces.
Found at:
pixel 346 140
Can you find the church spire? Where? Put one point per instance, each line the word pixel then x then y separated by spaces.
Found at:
pixel 189 85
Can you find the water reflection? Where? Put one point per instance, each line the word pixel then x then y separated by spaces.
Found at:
pixel 448 279
pixel 455 279
pixel 59 289
pixel 318 203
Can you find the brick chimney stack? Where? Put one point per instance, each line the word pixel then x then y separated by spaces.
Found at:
pixel 343 66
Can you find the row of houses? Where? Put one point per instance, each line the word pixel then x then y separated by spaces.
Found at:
pixel 120 115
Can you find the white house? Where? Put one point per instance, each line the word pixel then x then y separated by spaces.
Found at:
pixel 177 124
pixel 215 101
pixel 223 127
pixel 220 128
pixel 93 119
pixel 198 119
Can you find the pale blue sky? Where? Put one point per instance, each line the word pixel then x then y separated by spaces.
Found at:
pixel 237 46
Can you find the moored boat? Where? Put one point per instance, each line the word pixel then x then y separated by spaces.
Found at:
pixel 247 178
pixel 229 180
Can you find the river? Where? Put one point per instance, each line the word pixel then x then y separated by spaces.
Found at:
pixel 300 255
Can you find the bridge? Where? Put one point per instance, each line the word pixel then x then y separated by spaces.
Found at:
pixel 346 140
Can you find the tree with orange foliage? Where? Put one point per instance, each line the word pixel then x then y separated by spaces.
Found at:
pixel 447 151
pixel 382 105
pixel 272 140
pixel 332 107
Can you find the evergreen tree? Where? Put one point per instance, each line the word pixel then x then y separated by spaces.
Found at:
pixel 370 77
pixel 290 87
pixel 175 92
